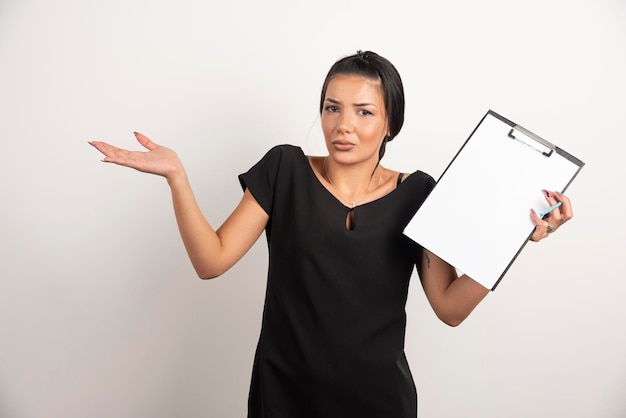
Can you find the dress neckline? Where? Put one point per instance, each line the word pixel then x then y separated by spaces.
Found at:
pixel 307 160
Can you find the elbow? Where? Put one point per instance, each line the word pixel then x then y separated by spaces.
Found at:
pixel 452 322
pixel 207 270
pixel 452 319
pixel 208 274
pixel 454 315
pixel 203 276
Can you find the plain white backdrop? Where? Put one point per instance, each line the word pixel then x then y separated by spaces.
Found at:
pixel 101 314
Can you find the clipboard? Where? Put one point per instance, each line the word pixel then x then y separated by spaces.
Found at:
pixel 477 217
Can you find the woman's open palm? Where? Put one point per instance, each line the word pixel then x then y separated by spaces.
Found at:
pixel 157 160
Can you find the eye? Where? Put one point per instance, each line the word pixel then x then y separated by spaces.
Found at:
pixel 332 109
pixel 364 112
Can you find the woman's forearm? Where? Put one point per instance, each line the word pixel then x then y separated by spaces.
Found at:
pixel 452 297
pixel 200 239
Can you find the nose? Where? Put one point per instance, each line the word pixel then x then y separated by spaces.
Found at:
pixel 345 123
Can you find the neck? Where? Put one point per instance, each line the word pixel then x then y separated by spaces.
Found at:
pixel 352 183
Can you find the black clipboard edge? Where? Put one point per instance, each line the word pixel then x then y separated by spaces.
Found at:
pixel 569 156
pixel 489 112
pixel 512 260
pixel 502 118
pixel 574 160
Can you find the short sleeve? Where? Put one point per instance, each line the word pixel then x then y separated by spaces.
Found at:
pixel 424 185
pixel 261 178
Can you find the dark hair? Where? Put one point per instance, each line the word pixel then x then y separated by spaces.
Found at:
pixel 372 66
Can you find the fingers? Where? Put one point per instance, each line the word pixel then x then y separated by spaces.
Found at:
pixel 145 141
pixel 156 160
pixel 109 151
pixel 566 208
pixel 561 214
pixel 553 220
pixel 542 227
pixel 113 154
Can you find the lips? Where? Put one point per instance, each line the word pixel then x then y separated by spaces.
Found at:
pixel 343 145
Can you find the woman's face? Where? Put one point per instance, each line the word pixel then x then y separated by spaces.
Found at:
pixel 354 119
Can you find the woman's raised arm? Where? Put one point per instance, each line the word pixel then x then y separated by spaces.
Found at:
pixel 212 252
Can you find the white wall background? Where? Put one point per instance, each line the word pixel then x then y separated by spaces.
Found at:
pixel 100 312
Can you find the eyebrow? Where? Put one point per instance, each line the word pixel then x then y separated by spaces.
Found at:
pixel 365 104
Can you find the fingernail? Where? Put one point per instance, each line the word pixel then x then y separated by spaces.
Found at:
pixel 547 193
pixel 135 133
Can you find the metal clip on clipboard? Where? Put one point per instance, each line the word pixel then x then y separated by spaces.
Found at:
pixel 530 139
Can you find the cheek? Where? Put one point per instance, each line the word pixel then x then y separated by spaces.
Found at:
pixel 374 133
pixel 327 125
pixel 324 126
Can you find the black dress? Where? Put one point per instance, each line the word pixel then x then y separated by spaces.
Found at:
pixel 332 336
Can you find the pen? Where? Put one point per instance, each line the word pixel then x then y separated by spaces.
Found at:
pixel 550 209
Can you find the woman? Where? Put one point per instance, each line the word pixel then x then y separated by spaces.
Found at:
pixel 332 338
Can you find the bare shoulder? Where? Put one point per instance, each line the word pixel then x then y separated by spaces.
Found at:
pixel 397 176
pixel 389 179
